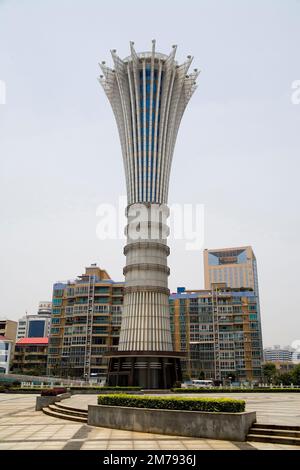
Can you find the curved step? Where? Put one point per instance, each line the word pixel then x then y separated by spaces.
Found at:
pixel 273 439
pixel 275 432
pixel 67 411
pixel 61 415
pixel 70 408
pixel 275 426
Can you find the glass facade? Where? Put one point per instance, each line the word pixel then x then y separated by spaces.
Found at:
pixel 150 99
pixel 36 329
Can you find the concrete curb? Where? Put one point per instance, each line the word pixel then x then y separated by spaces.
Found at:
pixel 226 426
pixel 42 402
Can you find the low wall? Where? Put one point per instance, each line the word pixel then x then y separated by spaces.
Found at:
pixel 42 402
pixel 38 379
pixel 228 426
pixel 103 392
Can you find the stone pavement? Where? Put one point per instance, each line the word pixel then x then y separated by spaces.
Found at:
pixel 21 427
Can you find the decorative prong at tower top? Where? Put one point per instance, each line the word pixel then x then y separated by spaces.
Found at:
pixel 153 49
pixel 134 55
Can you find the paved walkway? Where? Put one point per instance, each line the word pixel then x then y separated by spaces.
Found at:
pixel 21 427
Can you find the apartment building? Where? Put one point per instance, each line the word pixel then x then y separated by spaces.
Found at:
pixel 85 324
pixel 219 330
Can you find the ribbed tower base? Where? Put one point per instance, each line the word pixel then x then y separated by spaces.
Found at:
pixel 145 354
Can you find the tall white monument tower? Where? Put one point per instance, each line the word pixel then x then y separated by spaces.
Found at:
pixel 148 93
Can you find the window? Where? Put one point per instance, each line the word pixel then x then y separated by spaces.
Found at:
pixel 58 293
pixel 102 319
pixel 98 340
pixel 54 331
pixel 79 340
pixel 36 329
pixel 100 330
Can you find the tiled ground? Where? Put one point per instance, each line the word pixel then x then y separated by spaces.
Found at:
pixel 21 427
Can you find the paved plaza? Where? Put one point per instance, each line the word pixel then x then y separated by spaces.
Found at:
pixel 21 427
pixel 271 408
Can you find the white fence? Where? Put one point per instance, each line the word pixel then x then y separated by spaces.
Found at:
pixel 53 384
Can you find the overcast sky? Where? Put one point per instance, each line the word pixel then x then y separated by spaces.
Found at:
pixel 237 152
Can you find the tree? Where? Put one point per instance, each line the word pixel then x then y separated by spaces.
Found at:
pixel 295 374
pixel 269 372
pixel 186 376
pixel 285 378
pixel 201 375
pixel 231 376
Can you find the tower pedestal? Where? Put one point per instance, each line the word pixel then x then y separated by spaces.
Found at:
pixel 146 369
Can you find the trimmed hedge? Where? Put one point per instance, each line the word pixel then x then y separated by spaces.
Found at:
pixel 121 388
pixel 227 405
pixel 131 389
pixel 53 392
pixel 20 390
pixel 235 390
pixel 60 390
pixel 48 393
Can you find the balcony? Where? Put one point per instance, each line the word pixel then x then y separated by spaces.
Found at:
pixel 102 291
pixel 101 299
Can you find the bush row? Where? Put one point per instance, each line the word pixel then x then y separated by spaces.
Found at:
pixel 53 392
pixel 235 390
pixel 19 390
pixel 106 388
pixel 174 403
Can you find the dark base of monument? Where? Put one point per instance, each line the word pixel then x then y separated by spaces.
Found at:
pixel 147 369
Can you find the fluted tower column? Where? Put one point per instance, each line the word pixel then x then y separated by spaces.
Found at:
pixel 148 93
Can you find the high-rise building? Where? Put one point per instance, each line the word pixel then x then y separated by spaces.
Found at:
pixel 6 349
pixel 8 328
pixel 86 318
pixel 219 330
pixel 8 332
pixel 276 353
pixel 45 307
pixel 236 267
pixel 36 326
pixel 148 93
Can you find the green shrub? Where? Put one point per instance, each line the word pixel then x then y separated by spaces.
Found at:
pixel 6 384
pixel 132 389
pixel 52 392
pixel 174 403
pixel 60 390
pixel 177 384
pixel 48 393
pixel 235 390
